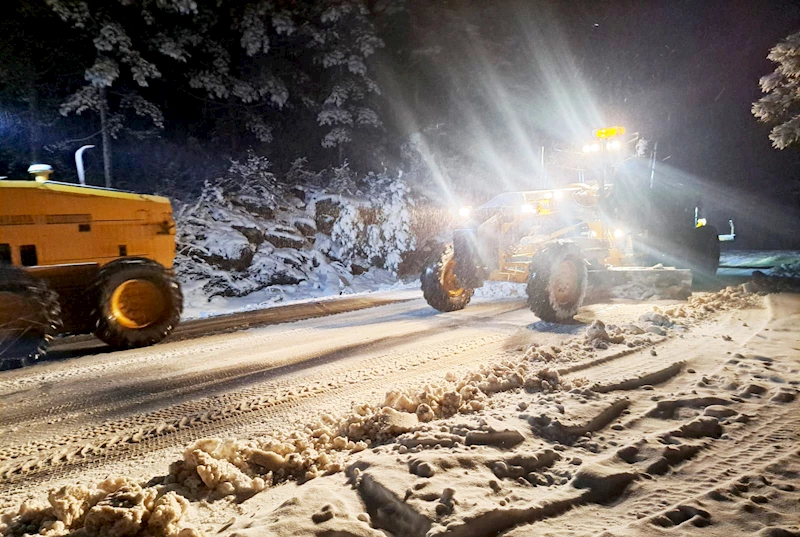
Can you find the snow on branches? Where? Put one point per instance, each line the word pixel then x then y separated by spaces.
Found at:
pixel 343 40
pixel 264 63
pixel 781 104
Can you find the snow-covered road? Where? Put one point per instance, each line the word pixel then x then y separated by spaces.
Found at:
pixel 81 419
pixel 106 413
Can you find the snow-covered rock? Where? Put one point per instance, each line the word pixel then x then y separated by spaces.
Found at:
pixel 251 234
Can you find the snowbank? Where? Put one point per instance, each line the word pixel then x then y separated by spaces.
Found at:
pixel 757 258
pixel 197 305
pixel 116 507
pixel 251 240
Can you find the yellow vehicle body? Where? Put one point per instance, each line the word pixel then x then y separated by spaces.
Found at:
pixel 561 242
pixel 50 224
pixel 64 234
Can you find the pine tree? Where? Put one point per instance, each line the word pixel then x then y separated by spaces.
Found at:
pixel 342 38
pixel 781 104
pixel 126 40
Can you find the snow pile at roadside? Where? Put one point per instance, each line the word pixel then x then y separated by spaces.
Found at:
pixel 702 305
pixel 786 270
pixel 458 423
pixel 116 507
pixel 492 289
pixel 762 259
pixel 309 236
pixel 198 306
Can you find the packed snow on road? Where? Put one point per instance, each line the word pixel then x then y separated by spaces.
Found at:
pixel 639 417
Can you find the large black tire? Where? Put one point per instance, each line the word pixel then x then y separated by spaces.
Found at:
pixel 439 286
pixel 703 254
pixel 557 282
pixel 139 304
pixel 29 317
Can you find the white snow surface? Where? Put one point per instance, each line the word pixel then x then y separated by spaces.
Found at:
pixel 758 258
pixel 500 290
pixel 250 241
pixel 198 306
pixel 559 436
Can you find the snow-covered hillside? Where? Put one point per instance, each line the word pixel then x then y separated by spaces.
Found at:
pixel 251 239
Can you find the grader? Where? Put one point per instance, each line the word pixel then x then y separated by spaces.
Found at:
pixel 562 242
pixel 77 259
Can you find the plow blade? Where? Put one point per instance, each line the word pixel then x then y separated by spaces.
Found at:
pixel 639 283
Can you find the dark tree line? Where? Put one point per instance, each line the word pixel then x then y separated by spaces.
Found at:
pixel 159 83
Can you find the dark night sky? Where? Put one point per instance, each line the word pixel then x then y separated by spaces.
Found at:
pixel 705 59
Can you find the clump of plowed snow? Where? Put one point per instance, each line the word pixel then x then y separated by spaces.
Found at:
pixel 116 507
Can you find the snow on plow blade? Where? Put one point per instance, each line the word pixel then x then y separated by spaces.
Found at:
pixel 639 283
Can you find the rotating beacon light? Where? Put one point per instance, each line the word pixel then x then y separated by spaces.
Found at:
pixel 608 140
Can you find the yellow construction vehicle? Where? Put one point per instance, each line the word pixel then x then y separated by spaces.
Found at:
pixel 78 259
pixel 562 242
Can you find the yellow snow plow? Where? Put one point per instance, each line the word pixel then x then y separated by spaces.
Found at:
pixel 567 243
pixel 80 259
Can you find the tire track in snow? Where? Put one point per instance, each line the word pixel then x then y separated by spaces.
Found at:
pixel 241 410
pixel 256 410
pixel 138 394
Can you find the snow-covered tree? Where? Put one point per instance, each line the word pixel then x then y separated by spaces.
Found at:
pixel 281 77
pixel 127 42
pixel 781 104
pixel 342 39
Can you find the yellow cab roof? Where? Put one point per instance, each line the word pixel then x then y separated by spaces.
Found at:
pixel 82 190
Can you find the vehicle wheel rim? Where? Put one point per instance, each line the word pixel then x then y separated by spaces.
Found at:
pixel 137 303
pixel 565 288
pixel 449 280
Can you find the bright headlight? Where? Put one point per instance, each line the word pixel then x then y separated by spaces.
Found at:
pixel 619 233
pixel 614 145
pixel 591 148
pixel 464 212
pixel 527 209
